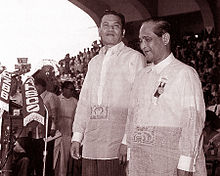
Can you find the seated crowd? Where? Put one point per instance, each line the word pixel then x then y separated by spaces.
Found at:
pixel 200 51
pixel 76 67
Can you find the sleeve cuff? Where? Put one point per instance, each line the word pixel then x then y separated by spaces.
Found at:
pixel 128 154
pixel 124 140
pixel 77 137
pixel 186 163
pixel 53 127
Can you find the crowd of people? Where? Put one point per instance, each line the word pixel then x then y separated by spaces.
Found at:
pixel 197 50
pixel 200 51
pixel 75 68
pixel 148 108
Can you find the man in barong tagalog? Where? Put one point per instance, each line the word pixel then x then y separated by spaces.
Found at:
pixel 166 111
pixel 101 112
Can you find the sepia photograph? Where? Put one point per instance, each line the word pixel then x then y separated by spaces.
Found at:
pixel 110 88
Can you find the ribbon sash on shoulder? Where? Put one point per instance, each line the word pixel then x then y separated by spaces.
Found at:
pixel 33 108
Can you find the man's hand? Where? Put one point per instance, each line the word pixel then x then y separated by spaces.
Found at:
pixel 122 154
pixel 184 173
pixel 127 169
pixel 17 148
pixel 74 150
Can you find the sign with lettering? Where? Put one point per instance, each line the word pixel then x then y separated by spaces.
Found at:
pixel 5 90
pixel 33 108
pixel 22 60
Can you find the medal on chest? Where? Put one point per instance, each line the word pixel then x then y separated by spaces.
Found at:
pixel 160 89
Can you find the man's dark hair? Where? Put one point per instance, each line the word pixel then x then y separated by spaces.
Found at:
pixel 161 26
pixel 112 12
pixel 40 81
pixel 66 84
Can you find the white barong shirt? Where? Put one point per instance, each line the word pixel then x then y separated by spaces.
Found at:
pixel 165 121
pixel 107 86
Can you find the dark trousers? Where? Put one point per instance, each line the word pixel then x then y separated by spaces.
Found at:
pixel 77 167
pixel 37 157
pixel 21 165
pixel 111 167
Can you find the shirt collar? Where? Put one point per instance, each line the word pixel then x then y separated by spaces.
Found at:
pixel 161 65
pixel 63 97
pixel 43 94
pixel 114 50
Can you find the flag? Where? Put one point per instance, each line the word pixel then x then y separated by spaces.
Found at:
pixel 33 107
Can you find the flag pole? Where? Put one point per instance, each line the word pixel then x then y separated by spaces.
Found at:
pixel 45 142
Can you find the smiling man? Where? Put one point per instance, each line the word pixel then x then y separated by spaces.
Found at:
pixel 166 112
pixel 102 109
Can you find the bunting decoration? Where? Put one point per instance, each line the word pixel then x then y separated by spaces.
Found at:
pixel 33 107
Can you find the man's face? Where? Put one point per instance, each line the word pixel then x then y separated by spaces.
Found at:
pixel 68 91
pixel 151 45
pixel 110 30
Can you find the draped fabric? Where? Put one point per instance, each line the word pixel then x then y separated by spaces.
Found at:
pixel 164 129
pixel 102 108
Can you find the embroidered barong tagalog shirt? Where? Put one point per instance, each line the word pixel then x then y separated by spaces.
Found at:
pixel 101 112
pixel 165 121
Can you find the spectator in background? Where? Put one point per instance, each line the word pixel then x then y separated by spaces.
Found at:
pixel 212 142
pixel 166 112
pixel 52 104
pixel 212 126
pixel 16 95
pixel 64 125
pixel 200 52
pixel 215 106
pixel 22 156
pixel 102 108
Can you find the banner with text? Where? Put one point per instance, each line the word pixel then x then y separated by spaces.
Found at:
pixel 33 107
pixel 5 90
